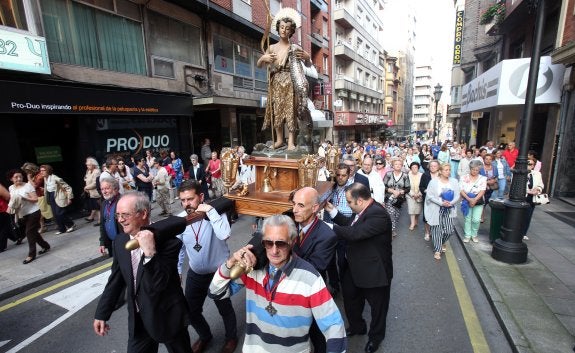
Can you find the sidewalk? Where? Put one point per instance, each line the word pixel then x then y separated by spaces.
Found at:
pixel 535 301
pixel 69 252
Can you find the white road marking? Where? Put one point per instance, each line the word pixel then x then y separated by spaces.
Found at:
pixel 73 299
pixel 3 343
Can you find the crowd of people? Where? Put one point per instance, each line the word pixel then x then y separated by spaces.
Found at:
pixel 314 252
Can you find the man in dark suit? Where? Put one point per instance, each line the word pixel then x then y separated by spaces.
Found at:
pixel 198 173
pixel 157 309
pixel 316 244
pixel 350 161
pixel 370 267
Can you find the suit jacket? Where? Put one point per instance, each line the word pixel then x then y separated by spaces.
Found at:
pixel 318 247
pixel 362 179
pixel 200 176
pixel 161 302
pixel 368 250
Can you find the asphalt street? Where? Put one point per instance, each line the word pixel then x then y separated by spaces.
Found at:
pixel 435 307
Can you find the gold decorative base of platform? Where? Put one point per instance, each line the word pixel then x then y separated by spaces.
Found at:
pixel 283 175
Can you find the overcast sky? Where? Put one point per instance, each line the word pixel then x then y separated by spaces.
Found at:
pixel 435 31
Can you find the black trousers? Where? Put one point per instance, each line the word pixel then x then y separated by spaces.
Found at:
pixel 143 343
pixel 354 299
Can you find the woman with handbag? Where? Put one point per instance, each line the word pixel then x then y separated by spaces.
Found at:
pixel 24 205
pixel 534 188
pixel 37 180
pixel 473 187
pixel 397 186
pixel 442 195
pixel 59 195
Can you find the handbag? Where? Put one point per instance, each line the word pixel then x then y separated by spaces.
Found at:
pixel 541 199
pixel 494 186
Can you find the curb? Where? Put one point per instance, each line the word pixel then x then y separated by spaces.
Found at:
pixel 496 310
pixel 51 277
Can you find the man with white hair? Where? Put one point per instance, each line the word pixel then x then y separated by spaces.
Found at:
pixel 375 181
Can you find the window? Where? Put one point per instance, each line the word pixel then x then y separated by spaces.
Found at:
pixel 223 54
pixel 78 34
pixel 359 75
pixel 243 60
pixel 12 14
pixel 325 28
pixel 325 64
pixel 175 40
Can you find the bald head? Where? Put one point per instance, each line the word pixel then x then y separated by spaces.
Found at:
pixel 305 205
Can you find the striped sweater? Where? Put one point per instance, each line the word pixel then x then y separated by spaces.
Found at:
pixel 301 296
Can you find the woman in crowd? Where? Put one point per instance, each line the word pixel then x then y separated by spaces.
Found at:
pixel 534 187
pixel 473 187
pixel 425 156
pixel 142 176
pixel 214 169
pixel 504 175
pixel 93 196
pixel 59 195
pixel 37 180
pixel 443 155
pixel 178 168
pixel 125 172
pixel 24 204
pixel 380 166
pixel 455 155
pixel 414 197
pixel 489 171
pixel 397 186
pixel 430 174
pixel 443 193
pixel 533 155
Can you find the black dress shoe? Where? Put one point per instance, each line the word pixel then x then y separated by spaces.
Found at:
pixel 371 346
pixel 43 251
pixel 28 260
pixel 349 332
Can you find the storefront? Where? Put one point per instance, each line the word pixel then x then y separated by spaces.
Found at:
pixel 353 126
pixel 492 107
pixel 63 124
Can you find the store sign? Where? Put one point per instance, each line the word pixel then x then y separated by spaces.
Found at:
pixel 458 38
pixel 136 141
pixel 48 154
pixel 23 97
pixel 506 84
pixel 20 51
pixel 353 118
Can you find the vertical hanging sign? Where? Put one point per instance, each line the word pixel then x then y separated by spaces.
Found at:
pixel 458 38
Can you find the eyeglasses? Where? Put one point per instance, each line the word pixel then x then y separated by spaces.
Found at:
pixel 124 215
pixel 378 163
pixel 531 164
pixel 280 244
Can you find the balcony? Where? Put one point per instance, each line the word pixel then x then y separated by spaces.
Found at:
pixel 316 38
pixel 319 5
pixel 345 50
pixel 346 20
pixel 348 84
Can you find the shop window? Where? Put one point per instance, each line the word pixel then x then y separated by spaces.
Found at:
pixel 260 73
pixel 174 40
pixel 12 14
pixel 83 35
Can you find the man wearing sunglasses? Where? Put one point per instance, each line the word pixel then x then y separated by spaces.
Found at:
pixel 369 269
pixel 284 297
pixel 315 243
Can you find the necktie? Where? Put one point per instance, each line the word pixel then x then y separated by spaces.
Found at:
pixel 301 235
pixel 136 256
pixel 355 219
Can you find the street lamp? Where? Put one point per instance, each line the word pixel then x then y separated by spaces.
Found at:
pixel 437 95
pixel 510 247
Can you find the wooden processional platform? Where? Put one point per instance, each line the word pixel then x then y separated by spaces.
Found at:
pixel 283 179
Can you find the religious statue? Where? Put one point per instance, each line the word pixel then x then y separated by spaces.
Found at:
pixel 288 86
